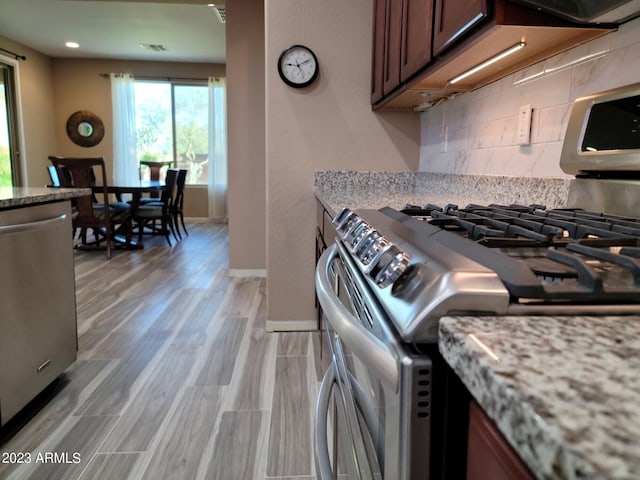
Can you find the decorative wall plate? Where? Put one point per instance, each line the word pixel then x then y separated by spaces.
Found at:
pixel 85 128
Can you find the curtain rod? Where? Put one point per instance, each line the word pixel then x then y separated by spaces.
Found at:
pixel 14 55
pixel 168 79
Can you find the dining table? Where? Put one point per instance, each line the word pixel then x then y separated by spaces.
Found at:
pixel 136 189
pixel 123 235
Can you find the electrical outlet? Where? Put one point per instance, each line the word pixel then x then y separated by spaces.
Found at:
pixel 524 124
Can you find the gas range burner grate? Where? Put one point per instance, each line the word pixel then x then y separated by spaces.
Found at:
pixel 532 222
pixel 574 254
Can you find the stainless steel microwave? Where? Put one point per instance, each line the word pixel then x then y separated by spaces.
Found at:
pixel 603 134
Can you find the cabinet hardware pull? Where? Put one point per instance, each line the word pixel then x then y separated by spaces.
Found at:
pixel 43 366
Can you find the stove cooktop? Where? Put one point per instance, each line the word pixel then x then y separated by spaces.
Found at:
pixel 494 260
pixel 568 255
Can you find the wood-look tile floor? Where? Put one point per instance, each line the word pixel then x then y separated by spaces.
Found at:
pixel 176 377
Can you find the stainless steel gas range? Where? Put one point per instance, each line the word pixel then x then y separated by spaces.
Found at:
pixel 395 410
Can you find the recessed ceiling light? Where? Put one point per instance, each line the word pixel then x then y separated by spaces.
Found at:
pixel 72 45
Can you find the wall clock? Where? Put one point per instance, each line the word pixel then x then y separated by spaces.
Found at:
pixel 298 66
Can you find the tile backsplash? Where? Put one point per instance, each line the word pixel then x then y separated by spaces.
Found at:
pixel 475 133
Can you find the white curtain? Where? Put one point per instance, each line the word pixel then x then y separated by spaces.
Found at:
pixel 125 161
pixel 217 150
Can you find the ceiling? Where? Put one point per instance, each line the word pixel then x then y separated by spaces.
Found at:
pixel 188 29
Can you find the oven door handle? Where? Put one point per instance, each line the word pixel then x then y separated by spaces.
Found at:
pixel 358 465
pixel 371 350
pixel 323 462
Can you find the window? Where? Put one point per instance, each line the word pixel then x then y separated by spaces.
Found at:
pixel 172 125
pixel 9 172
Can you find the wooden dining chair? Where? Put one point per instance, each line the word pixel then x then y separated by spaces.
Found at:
pixel 178 204
pixel 148 214
pixel 98 216
pixel 154 174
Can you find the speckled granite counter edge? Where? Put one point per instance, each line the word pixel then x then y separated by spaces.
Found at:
pixel 23 197
pixel 364 189
pixel 560 389
pixel 516 421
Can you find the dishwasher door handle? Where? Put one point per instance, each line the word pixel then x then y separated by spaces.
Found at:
pixel 361 342
pixel 32 226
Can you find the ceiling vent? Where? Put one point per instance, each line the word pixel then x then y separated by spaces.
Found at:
pixel 154 47
pixel 221 11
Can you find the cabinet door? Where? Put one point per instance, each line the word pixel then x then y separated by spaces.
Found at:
pixel 488 453
pixel 387 27
pixel 393 45
pixel 417 22
pixel 453 18
pixel 377 67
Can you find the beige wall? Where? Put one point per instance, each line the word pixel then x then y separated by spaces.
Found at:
pixel 329 125
pixel 245 102
pixel 35 81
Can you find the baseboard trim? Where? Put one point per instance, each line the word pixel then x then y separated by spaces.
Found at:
pixel 247 272
pixel 197 220
pixel 292 325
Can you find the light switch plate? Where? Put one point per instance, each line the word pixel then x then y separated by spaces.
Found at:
pixel 524 124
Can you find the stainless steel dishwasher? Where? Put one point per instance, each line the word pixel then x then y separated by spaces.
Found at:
pixel 38 331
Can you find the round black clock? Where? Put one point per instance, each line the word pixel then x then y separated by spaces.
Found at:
pixel 298 66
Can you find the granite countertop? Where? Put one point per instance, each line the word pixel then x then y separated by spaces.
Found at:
pixel 348 189
pixel 563 390
pixel 25 196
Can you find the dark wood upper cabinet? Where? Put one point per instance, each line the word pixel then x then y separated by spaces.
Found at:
pixel 421 45
pixel 387 43
pixel 417 27
pixel 401 42
pixel 393 45
pixel 453 18
pixel 378 61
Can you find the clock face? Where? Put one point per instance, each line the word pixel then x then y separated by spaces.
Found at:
pixel 298 66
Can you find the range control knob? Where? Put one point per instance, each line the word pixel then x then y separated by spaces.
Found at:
pixel 341 217
pixel 389 266
pixel 355 226
pixel 371 247
pixel 359 233
pixel 346 223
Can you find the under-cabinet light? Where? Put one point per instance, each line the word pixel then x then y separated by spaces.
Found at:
pixel 489 61
pixel 557 68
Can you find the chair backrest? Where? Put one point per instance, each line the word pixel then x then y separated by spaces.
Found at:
pixel 81 173
pixel 154 168
pixel 53 176
pixel 181 180
pixel 180 183
pixel 169 193
pixel 63 175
